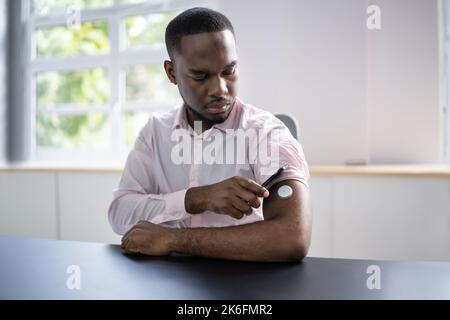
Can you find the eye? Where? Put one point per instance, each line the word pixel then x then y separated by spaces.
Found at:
pixel 229 72
pixel 199 77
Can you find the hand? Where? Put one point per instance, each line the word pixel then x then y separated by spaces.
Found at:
pixel 234 197
pixel 149 239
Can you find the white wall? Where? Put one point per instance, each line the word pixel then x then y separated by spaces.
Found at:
pixel 364 217
pixel 57 205
pixel 307 58
pixel 391 218
pixel 28 204
pixel 3 47
pixel 381 217
pixel 83 203
pixel 403 97
pixel 357 94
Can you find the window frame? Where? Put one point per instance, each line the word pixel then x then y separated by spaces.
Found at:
pixel 115 63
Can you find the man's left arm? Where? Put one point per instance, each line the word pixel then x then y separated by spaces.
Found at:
pixel 284 235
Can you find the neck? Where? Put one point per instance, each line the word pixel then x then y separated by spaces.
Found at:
pixel 192 117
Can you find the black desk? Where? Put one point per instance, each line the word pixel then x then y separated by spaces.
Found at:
pixel 36 269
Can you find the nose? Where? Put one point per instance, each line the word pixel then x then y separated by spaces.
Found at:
pixel 218 87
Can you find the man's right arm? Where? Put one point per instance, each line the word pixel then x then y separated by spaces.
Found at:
pixel 234 197
pixel 130 208
pixel 135 199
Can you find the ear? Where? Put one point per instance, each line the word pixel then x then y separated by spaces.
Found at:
pixel 170 71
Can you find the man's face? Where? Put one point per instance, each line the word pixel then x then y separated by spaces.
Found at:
pixel 206 74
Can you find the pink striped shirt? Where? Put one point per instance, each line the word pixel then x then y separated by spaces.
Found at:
pixel 154 181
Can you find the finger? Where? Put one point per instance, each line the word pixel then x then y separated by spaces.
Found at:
pixel 138 225
pixel 232 212
pixel 254 187
pixel 129 231
pixel 124 240
pixel 249 197
pixel 241 205
pixel 249 211
pixel 130 251
pixel 124 246
pixel 131 247
pixel 129 236
pixel 235 213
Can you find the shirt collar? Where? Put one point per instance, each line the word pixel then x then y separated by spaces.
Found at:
pixel 180 118
pixel 230 123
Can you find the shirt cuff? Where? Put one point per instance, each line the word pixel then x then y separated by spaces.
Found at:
pixel 175 205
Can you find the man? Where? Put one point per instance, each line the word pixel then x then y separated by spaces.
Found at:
pixel 209 209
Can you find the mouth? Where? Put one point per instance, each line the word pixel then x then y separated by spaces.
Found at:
pixel 218 108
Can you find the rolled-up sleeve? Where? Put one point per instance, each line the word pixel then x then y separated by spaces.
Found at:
pixel 135 199
pixel 287 151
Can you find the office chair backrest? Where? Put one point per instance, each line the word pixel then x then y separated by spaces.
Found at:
pixel 290 122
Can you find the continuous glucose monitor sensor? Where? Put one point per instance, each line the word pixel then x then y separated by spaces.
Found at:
pixel 285 192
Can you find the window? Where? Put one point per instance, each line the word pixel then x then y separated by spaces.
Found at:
pixel 95 70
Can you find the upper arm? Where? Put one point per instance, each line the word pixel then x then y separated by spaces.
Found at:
pixel 136 174
pixel 294 211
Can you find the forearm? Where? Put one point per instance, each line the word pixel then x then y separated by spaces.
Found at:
pixel 129 209
pixel 271 240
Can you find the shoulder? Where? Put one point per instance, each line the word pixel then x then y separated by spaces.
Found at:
pixel 158 124
pixel 259 119
pixel 160 120
pixel 164 119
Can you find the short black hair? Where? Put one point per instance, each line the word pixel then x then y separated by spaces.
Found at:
pixel 194 21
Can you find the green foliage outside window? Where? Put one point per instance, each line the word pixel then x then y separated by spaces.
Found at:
pixel 62 90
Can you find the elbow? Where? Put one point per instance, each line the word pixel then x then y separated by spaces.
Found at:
pixel 113 219
pixel 117 229
pixel 294 242
pixel 298 247
pixel 115 226
pixel 298 252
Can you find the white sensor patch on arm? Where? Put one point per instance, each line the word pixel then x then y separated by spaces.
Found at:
pixel 285 192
